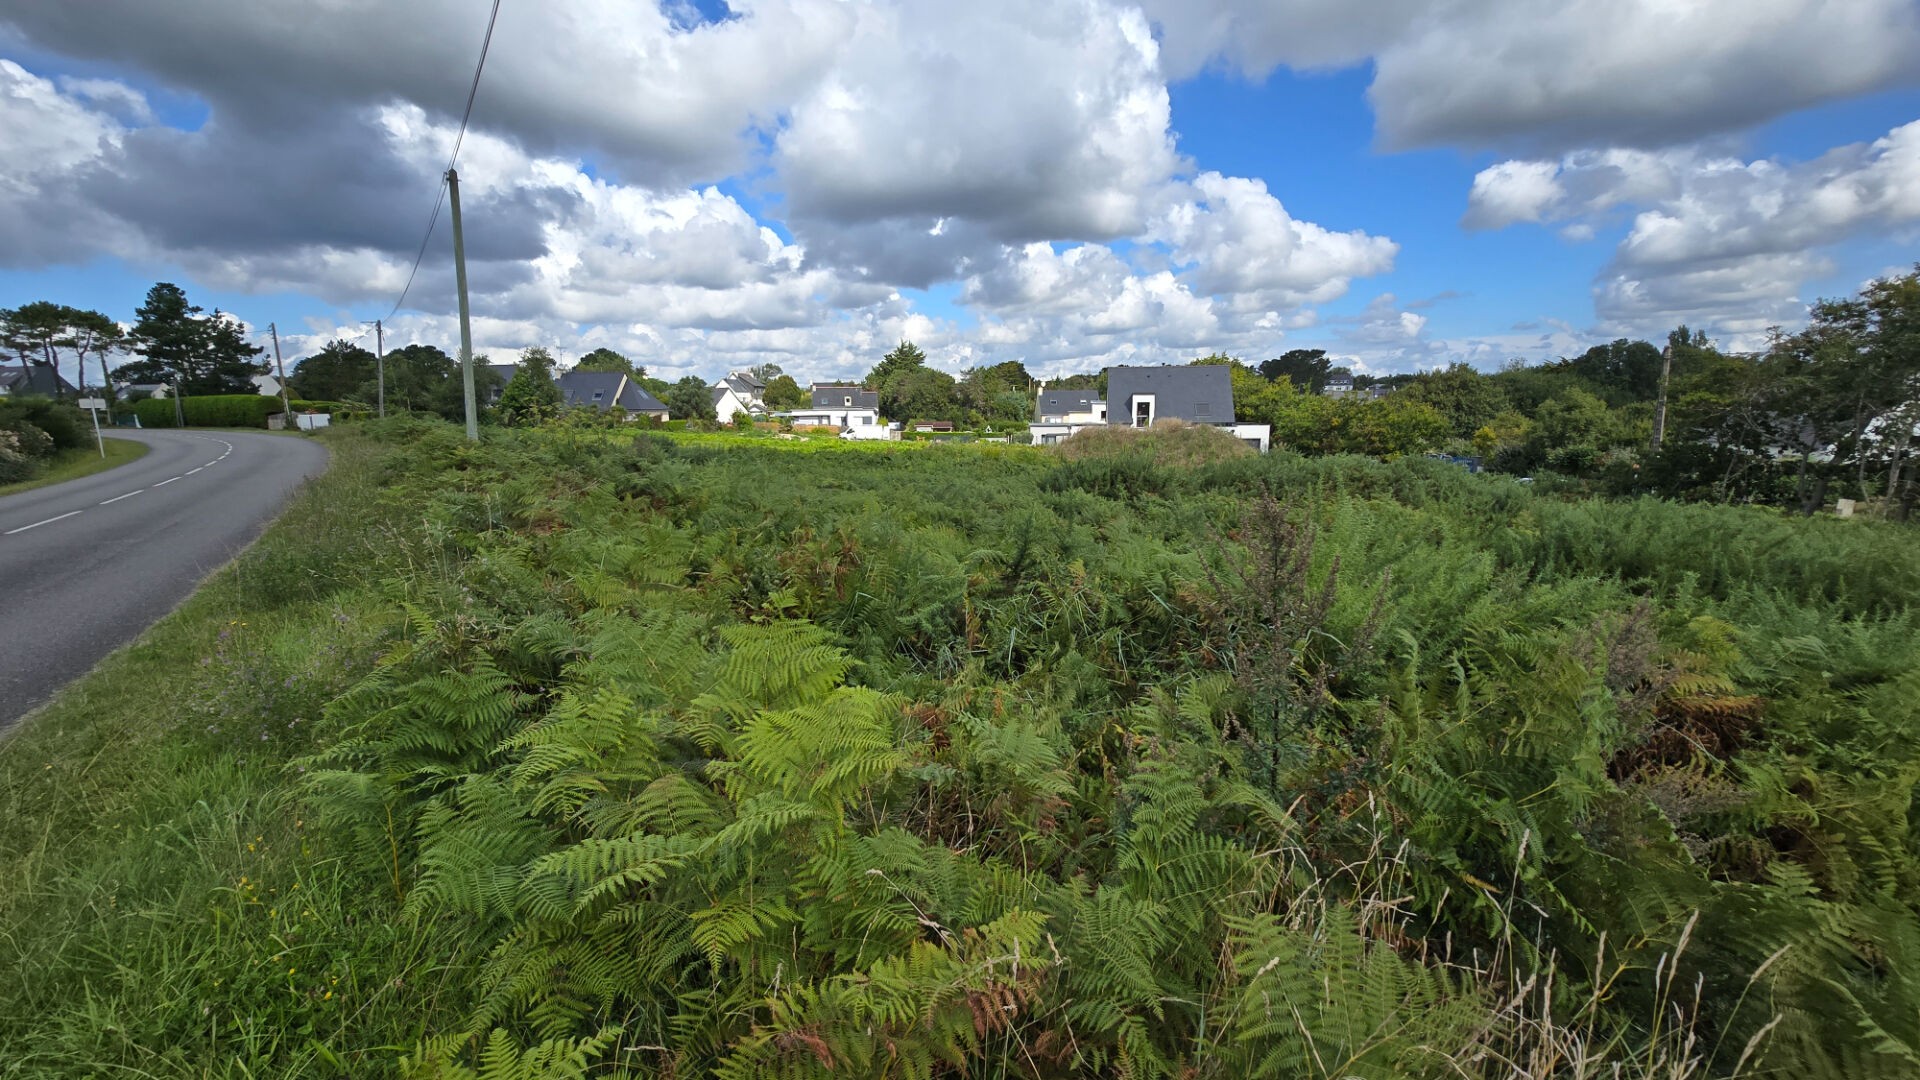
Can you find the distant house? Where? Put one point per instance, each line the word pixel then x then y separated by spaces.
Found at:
pixel 739 392
pixel 603 390
pixel 139 391
pixel 933 425
pixel 39 380
pixel 1069 407
pixel 1144 396
pixel 1337 386
pixel 853 409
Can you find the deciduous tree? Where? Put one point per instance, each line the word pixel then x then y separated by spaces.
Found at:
pixel 530 396
pixel 690 399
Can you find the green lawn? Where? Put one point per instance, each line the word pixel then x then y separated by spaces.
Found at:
pixel 74 464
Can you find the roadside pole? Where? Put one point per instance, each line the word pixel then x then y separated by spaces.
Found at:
pixel 1660 406
pixel 286 406
pixel 93 405
pixel 466 327
pixel 380 363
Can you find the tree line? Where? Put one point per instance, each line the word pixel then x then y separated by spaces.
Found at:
pixel 1829 410
pixel 179 344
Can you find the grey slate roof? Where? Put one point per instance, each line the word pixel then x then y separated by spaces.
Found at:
pixel 1062 402
pixel 744 384
pixel 38 379
pixel 578 387
pixel 835 395
pixel 1202 394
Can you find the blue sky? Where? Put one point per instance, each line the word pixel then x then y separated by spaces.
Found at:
pixel 1069 184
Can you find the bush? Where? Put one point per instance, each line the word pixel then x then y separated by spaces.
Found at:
pixel 1170 442
pixel 64 425
pixel 214 410
pixel 15 466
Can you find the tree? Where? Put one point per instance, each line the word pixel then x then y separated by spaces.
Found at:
pixel 341 371
pixel 690 399
pixel 180 347
pixel 910 389
pixel 604 359
pixel 1569 433
pixel 1621 371
pixel 228 364
pixel 1096 381
pixel 784 394
pixel 921 394
pixel 530 396
pixel 36 330
pixel 904 358
pixel 766 372
pixel 1467 399
pixel 1002 393
pixel 1306 369
pixel 90 333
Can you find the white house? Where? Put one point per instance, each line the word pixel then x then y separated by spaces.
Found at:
pixel 739 392
pixel 1143 396
pixel 853 409
pixel 1069 407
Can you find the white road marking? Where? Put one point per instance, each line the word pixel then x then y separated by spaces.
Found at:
pixel 128 495
pixel 37 524
pixel 167 481
pixel 190 472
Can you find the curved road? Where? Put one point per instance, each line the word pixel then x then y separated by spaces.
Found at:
pixel 87 565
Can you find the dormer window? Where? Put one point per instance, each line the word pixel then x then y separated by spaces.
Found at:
pixel 848 402
pixel 598 394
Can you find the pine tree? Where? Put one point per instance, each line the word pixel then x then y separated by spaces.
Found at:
pixel 200 355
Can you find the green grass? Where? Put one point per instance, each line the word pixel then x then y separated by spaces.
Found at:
pixel 74 464
pixel 164 907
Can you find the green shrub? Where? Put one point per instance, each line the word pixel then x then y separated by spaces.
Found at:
pixel 63 424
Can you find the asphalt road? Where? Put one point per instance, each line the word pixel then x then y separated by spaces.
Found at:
pixel 87 565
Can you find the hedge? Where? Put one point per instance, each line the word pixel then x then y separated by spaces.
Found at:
pixel 213 410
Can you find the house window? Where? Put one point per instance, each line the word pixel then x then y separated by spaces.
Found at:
pixel 598 394
pixel 866 420
pixel 848 402
pixel 1142 413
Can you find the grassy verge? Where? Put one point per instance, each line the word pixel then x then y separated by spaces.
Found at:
pixel 164 910
pixel 74 464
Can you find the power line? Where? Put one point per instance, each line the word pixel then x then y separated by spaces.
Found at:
pixel 440 198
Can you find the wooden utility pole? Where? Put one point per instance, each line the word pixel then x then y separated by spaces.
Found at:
pixel 380 363
pixel 280 368
pixel 1660 406
pixel 466 326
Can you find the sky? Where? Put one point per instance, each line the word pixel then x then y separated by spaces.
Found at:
pixel 710 185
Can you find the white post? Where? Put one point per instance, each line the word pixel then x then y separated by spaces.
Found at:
pixel 93 407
